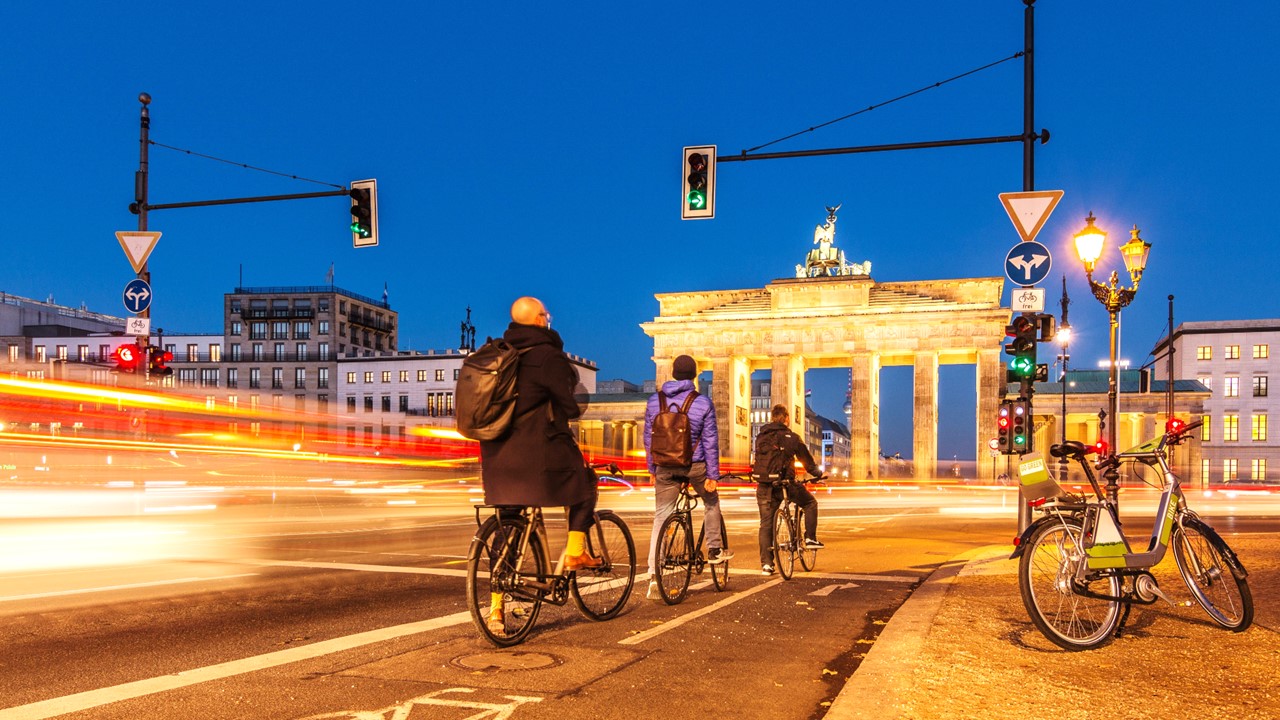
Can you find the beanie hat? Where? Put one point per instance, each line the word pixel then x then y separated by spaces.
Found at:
pixel 684 368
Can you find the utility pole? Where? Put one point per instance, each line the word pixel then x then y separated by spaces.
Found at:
pixel 140 200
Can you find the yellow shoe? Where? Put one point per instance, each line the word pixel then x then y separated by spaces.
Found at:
pixel 495 623
pixel 585 561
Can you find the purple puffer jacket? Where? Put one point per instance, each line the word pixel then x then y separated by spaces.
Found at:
pixel 702 424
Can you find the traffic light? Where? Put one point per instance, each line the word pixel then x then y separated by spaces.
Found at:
pixel 1175 426
pixel 364 213
pixel 157 359
pixel 1100 447
pixel 127 358
pixel 1022 368
pixel 1020 441
pixel 698 200
pixel 1004 428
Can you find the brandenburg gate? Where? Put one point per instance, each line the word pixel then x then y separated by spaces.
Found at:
pixel 834 315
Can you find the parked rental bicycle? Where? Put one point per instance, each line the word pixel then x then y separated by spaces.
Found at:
pixel 788 533
pixel 679 557
pixel 1078 577
pixel 509 557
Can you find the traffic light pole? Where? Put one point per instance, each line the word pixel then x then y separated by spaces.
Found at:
pixel 140 201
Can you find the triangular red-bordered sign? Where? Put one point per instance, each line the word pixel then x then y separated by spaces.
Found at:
pixel 137 245
pixel 1030 210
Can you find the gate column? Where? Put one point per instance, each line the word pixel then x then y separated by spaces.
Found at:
pixel 991 389
pixel 731 395
pixel 924 445
pixel 787 389
pixel 864 421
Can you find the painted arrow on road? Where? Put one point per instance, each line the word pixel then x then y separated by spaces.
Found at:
pixel 827 590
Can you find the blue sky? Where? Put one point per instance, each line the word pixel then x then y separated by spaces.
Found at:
pixel 535 149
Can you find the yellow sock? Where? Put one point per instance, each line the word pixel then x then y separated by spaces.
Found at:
pixel 495 603
pixel 577 543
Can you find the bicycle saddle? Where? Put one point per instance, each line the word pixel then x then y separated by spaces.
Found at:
pixel 1068 449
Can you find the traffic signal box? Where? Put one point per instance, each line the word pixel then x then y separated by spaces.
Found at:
pixel 1022 368
pixel 127 358
pixel 364 213
pixel 157 361
pixel 1013 427
pixel 1004 428
pixel 698 198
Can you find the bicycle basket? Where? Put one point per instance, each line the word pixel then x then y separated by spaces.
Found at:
pixel 1034 477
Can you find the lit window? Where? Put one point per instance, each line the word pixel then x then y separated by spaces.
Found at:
pixel 1231 387
pixel 404 376
pixel 1204 352
pixel 1204 471
pixel 1258 468
pixel 439 375
pixel 422 376
pixel 1206 380
pixel 1230 428
pixel 351 378
pixel 1259 430
pixel 1231 352
pixel 368 376
pixel 386 376
pixel 1230 470
pixel 1204 428
pixel 1261 352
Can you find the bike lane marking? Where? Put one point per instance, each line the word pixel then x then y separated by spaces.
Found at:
pixel 109 588
pixel 357 567
pixel 139 688
pixel 682 619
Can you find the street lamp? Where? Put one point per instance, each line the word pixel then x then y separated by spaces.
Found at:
pixel 1089 243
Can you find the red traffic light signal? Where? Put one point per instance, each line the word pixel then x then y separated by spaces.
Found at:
pixel 157 359
pixel 1175 426
pixel 1100 447
pixel 127 358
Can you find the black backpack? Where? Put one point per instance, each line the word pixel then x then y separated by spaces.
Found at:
pixel 485 396
pixel 773 462
pixel 670 443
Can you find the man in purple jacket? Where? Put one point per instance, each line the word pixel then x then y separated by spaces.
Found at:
pixel 702 474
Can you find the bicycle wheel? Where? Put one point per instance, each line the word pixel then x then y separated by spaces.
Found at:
pixel 494 567
pixel 1201 557
pixel 808 555
pixel 784 543
pixel 674 564
pixel 602 592
pixel 720 570
pixel 1045 571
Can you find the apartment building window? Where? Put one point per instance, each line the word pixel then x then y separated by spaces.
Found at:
pixel 208 377
pixel 187 377
pixel 322 378
pixel 277 378
pixel 1258 469
pixel 324 352
pixel 1259 385
pixel 1204 352
pixel 61 352
pixel 257 331
pixel 40 354
pixel 386 403
pixel 300 402
pixel 448 404
pixel 1230 428
pixel 233 377
pixel 431 404
pixel 351 378
pixel 368 403
pixel 322 327
pixel 1231 386
pixel 235 352
pixel 257 352
pixel 279 330
pixel 255 402
pixel 215 352
pixel 301 352
pixel 422 376
pixel 278 352
pixel 82 353
pixel 455 373
pixel 368 377
pixel 322 402
pixel 1261 352
pixel 386 376
pixel 255 379
pixel 233 402
pixel 1258 431
pixel 302 331
pixel 277 401
pixel 1231 352
pixel 404 376
pixel 439 375
pixel 404 403
pixel 237 328
pixel 299 377
pixel 13 353
pixel 104 353
pixel 324 304
pixel 193 352
pixel 351 404
pixel 1204 472
pixel 1230 470
pixel 1204 427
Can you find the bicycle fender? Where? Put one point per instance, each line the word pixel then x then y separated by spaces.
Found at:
pixel 1233 562
pixel 1020 543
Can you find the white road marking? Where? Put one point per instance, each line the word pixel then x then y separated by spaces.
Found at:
pixel 139 688
pixel 358 567
pixel 493 711
pixel 828 589
pixel 681 620
pixel 108 588
pixel 854 576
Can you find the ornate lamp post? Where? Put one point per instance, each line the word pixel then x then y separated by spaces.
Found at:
pixel 1089 243
pixel 1063 336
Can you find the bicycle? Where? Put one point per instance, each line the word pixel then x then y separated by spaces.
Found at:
pixel 788 533
pixel 509 556
pixel 1076 573
pixel 679 558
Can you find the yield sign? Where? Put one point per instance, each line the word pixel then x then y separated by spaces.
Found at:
pixel 137 245
pixel 1029 210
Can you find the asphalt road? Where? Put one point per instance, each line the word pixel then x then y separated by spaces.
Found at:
pixel 311 607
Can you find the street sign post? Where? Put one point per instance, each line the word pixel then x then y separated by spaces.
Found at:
pixel 137 296
pixel 1027 263
pixel 1030 210
pixel 137 245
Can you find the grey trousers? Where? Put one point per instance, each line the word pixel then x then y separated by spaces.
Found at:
pixel 666 490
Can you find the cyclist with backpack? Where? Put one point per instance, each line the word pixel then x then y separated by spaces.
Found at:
pixel 533 459
pixel 681 440
pixel 777 447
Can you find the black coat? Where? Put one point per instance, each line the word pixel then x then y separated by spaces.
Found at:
pixel 538 462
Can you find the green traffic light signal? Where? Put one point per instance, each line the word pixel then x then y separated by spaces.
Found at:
pixel 1023 365
pixel 697 199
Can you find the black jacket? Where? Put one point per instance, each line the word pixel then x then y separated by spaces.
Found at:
pixel 792 445
pixel 538 462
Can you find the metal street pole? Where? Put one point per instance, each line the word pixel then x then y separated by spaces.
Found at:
pixel 1112 475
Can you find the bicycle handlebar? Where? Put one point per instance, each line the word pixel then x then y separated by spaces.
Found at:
pixel 611 467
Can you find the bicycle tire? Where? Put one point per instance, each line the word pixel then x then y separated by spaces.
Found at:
pixel 1201 555
pixel 492 567
pixel 720 570
pixel 601 593
pixel 1049 562
pixel 784 543
pixel 808 555
pixel 674 563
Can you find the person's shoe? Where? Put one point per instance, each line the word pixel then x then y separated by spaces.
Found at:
pixel 766 570
pixel 654 593
pixel 719 555
pixel 812 544
pixel 585 561
pixel 495 623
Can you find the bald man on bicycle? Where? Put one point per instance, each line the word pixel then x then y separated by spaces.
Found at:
pixel 776 448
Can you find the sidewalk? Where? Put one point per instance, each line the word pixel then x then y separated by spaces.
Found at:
pixel 963 647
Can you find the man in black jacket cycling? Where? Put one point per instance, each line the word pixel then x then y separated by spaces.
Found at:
pixel 776 449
